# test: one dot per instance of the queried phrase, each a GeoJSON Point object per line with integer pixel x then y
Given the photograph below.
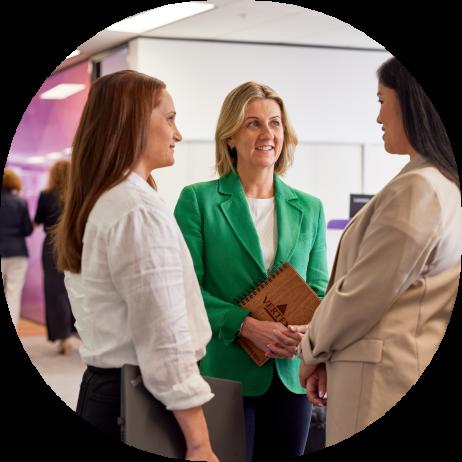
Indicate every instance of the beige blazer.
{"type": "Point", "coordinates": [390, 297]}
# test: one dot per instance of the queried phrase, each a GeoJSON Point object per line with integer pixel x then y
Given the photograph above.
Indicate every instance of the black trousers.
{"type": "Point", "coordinates": [276, 423]}
{"type": "Point", "coordinates": [59, 318]}
{"type": "Point", "coordinates": [99, 399]}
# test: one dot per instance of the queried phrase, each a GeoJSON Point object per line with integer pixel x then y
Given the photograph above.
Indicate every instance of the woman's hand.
{"type": "Point", "coordinates": [288, 339]}
{"type": "Point", "coordinates": [316, 385]}
{"type": "Point", "coordinates": [301, 328]}
{"type": "Point", "coordinates": [264, 335]}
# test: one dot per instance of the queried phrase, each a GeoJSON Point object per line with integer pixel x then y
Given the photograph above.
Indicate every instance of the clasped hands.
{"type": "Point", "coordinates": [276, 340]}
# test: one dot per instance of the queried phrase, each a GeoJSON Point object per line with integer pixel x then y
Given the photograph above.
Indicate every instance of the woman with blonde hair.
{"type": "Point", "coordinates": [129, 274]}
{"type": "Point", "coordinates": [238, 229]}
{"type": "Point", "coordinates": [59, 319]}
{"type": "Point", "coordinates": [15, 226]}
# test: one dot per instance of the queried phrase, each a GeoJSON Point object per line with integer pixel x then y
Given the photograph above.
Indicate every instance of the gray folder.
{"type": "Point", "coordinates": [147, 425]}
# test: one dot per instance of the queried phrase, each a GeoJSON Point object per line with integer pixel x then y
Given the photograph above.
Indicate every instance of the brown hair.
{"type": "Point", "coordinates": [109, 141]}
{"type": "Point", "coordinates": [232, 117]}
{"type": "Point", "coordinates": [11, 181]}
{"type": "Point", "coordinates": [58, 179]}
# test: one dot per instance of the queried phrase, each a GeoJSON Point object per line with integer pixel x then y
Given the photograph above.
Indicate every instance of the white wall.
{"type": "Point", "coordinates": [331, 101]}
{"type": "Point", "coordinates": [379, 167]}
{"type": "Point", "coordinates": [330, 94]}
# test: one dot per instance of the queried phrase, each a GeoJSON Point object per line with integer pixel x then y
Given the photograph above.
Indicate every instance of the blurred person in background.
{"type": "Point", "coordinates": [59, 319]}
{"type": "Point", "coordinates": [15, 226]}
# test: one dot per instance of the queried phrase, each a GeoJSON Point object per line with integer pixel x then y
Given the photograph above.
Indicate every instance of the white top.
{"type": "Point", "coordinates": [263, 213]}
{"type": "Point", "coordinates": [137, 299]}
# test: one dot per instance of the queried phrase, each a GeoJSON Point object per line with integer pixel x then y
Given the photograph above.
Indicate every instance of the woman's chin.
{"type": "Point", "coordinates": [266, 163]}
{"type": "Point", "coordinates": [169, 161]}
{"type": "Point", "coordinates": [165, 163]}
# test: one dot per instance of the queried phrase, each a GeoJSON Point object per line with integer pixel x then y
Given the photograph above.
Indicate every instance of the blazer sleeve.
{"type": "Point", "coordinates": [225, 318]}
{"type": "Point", "coordinates": [394, 250]}
{"type": "Point", "coordinates": [317, 274]}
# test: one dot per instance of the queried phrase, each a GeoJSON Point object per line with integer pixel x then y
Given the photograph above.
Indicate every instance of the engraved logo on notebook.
{"type": "Point", "coordinates": [275, 311]}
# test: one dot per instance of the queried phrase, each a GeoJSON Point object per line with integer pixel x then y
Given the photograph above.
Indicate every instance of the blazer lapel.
{"type": "Point", "coordinates": [237, 214]}
{"type": "Point", "coordinates": [289, 219]}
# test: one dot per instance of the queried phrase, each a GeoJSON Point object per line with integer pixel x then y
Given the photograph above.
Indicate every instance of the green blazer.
{"type": "Point", "coordinates": [217, 226]}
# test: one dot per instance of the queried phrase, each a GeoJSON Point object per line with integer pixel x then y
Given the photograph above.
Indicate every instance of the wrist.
{"type": "Point", "coordinates": [244, 329]}
{"type": "Point", "coordinates": [241, 328]}
{"type": "Point", "coordinates": [299, 351]}
{"type": "Point", "coordinates": [198, 445]}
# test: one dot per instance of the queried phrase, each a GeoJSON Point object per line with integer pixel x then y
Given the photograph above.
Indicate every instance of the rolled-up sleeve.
{"type": "Point", "coordinates": [146, 268]}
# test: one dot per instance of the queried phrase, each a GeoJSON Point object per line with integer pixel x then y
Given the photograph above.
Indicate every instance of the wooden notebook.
{"type": "Point", "coordinates": [283, 297]}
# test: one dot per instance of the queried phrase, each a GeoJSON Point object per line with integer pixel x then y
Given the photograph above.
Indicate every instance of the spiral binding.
{"type": "Point", "coordinates": [248, 295]}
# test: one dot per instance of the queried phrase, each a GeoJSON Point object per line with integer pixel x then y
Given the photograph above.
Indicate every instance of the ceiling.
{"type": "Point", "coordinates": [243, 20]}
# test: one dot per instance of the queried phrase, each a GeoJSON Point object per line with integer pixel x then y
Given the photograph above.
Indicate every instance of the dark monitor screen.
{"type": "Point", "coordinates": [357, 201]}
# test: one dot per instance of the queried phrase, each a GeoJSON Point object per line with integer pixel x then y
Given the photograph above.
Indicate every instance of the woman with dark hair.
{"type": "Point", "coordinates": [421, 122]}
{"type": "Point", "coordinates": [396, 273]}
{"type": "Point", "coordinates": [129, 275]}
{"type": "Point", "coordinates": [59, 319]}
{"type": "Point", "coordinates": [15, 226]}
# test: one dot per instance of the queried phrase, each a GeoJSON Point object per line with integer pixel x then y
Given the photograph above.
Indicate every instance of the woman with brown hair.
{"type": "Point", "coordinates": [15, 226]}
{"type": "Point", "coordinates": [59, 319]}
{"type": "Point", "coordinates": [129, 275]}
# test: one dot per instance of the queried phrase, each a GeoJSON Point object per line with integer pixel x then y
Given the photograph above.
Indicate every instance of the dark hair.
{"type": "Point", "coordinates": [109, 141]}
{"type": "Point", "coordinates": [422, 123]}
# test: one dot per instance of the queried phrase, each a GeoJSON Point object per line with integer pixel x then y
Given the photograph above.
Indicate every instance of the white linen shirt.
{"type": "Point", "coordinates": [137, 299]}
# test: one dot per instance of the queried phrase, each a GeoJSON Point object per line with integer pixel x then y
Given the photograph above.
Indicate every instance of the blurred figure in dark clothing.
{"type": "Point", "coordinates": [15, 225]}
{"type": "Point", "coordinates": [59, 319]}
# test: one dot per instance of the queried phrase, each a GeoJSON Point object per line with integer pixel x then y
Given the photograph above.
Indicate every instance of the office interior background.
{"type": "Point", "coordinates": [323, 68]}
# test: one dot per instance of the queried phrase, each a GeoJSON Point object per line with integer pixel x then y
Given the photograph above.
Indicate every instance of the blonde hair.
{"type": "Point", "coordinates": [231, 119]}
{"type": "Point", "coordinates": [11, 181]}
{"type": "Point", "coordinates": [110, 139]}
{"type": "Point", "coordinates": [59, 178]}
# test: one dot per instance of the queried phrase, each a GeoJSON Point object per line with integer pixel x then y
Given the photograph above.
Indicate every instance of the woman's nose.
{"type": "Point", "coordinates": [266, 132]}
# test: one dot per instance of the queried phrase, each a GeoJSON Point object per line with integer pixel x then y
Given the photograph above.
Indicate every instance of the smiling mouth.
{"type": "Point", "coordinates": [264, 148]}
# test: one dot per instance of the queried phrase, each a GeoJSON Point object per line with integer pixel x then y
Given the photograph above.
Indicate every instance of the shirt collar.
{"type": "Point", "coordinates": [137, 180]}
